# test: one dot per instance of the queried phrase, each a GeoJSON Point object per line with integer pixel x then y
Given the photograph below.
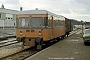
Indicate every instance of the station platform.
{"type": "Point", "coordinates": [54, 52]}
{"type": "Point", "coordinates": [71, 48]}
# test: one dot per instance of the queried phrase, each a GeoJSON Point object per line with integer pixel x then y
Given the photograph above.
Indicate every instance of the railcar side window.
{"type": "Point", "coordinates": [48, 21]}
{"type": "Point", "coordinates": [57, 23]}
{"type": "Point", "coordinates": [36, 22]}
{"type": "Point", "coordinates": [24, 22]}
{"type": "Point", "coordinates": [61, 23]}
{"type": "Point", "coordinates": [45, 21]}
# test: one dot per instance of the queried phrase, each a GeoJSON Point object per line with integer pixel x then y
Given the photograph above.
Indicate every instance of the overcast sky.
{"type": "Point", "coordinates": [73, 9]}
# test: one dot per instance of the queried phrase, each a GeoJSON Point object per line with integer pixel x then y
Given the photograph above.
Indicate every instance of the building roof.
{"type": "Point", "coordinates": [3, 10]}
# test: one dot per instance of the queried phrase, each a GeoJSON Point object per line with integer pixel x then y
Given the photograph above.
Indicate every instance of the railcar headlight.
{"type": "Point", "coordinates": [40, 33]}
{"type": "Point", "coordinates": [20, 33]}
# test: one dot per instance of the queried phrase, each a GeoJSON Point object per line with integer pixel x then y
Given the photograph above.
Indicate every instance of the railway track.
{"type": "Point", "coordinates": [21, 55]}
{"type": "Point", "coordinates": [24, 53]}
{"type": "Point", "coordinates": [8, 42]}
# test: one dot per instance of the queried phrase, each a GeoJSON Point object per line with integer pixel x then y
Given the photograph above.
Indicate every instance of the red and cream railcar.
{"type": "Point", "coordinates": [34, 27]}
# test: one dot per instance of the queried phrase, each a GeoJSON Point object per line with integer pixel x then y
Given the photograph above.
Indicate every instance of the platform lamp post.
{"type": "Point", "coordinates": [14, 25]}
{"type": "Point", "coordinates": [4, 24]}
{"type": "Point", "coordinates": [82, 26]}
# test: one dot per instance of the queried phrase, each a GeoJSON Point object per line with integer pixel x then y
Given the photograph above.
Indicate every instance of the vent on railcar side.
{"type": "Point", "coordinates": [32, 30]}
{"type": "Point", "coordinates": [27, 30]}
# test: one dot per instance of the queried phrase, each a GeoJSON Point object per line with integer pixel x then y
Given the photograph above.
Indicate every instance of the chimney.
{"type": "Point", "coordinates": [36, 8]}
{"type": "Point", "coordinates": [2, 6]}
{"type": "Point", "coordinates": [20, 8]}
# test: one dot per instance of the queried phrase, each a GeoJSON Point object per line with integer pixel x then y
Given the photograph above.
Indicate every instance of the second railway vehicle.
{"type": "Point", "coordinates": [35, 27]}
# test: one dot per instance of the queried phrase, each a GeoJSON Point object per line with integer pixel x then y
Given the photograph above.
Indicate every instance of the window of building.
{"type": "Point", "coordinates": [8, 18]}
{"type": "Point", "coordinates": [11, 18]}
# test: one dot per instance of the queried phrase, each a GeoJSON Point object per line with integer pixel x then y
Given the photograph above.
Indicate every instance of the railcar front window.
{"type": "Point", "coordinates": [24, 22]}
{"type": "Point", "coordinates": [36, 22]}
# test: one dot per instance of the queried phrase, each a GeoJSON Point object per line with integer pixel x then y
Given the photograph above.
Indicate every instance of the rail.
{"type": "Point", "coordinates": [8, 42]}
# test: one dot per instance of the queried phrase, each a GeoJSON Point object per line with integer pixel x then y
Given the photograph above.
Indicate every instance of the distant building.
{"type": "Point", "coordinates": [7, 17]}
{"type": "Point", "coordinates": [7, 14]}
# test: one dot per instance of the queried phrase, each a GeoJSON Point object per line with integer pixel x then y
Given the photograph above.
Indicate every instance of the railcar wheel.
{"type": "Point", "coordinates": [39, 44]}
{"type": "Point", "coordinates": [67, 35]}
{"type": "Point", "coordinates": [48, 43]}
{"type": "Point", "coordinates": [62, 37]}
{"type": "Point", "coordinates": [39, 47]}
{"type": "Point", "coordinates": [22, 44]}
{"type": "Point", "coordinates": [58, 39]}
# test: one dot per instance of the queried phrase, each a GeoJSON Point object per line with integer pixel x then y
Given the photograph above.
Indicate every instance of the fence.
{"type": "Point", "coordinates": [7, 24]}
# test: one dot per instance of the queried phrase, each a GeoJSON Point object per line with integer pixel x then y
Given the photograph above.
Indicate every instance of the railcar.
{"type": "Point", "coordinates": [69, 26]}
{"type": "Point", "coordinates": [36, 27]}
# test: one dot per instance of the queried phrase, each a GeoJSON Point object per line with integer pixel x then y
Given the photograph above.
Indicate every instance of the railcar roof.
{"type": "Point", "coordinates": [34, 12]}
{"type": "Point", "coordinates": [38, 12]}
